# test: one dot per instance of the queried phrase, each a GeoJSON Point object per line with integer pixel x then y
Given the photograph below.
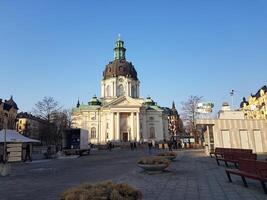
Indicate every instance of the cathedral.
{"type": "Point", "coordinates": [120, 114]}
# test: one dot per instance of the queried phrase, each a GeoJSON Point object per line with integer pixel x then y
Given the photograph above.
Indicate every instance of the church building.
{"type": "Point", "coordinates": [120, 114]}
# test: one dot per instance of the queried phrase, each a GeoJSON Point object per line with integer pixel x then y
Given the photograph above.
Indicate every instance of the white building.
{"type": "Point", "coordinates": [120, 114]}
{"type": "Point", "coordinates": [232, 130]}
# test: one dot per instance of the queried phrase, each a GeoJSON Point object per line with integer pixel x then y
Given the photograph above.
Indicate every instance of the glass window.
{"type": "Point", "coordinates": [93, 133]}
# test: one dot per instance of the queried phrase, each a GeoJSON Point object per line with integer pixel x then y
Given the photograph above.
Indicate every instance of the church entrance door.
{"type": "Point", "coordinates": [125, 137]}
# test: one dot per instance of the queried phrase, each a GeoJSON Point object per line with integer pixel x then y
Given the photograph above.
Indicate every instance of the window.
{"type": "Point", "coordinates": [120, 90]}
{"type": "Point", "coordinates": [134, 91]}
{"type": "Point", "coordinates": [152, 132]}
{"type": "Point", "coordinates": [93, 133]}
{"type": "Point", "coordinates": [151, 118]}
{"type": "Point", "coordinates": [108, 91]}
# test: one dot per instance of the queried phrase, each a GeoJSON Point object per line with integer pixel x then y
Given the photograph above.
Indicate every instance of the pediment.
{"type": "Point", "coordinates": [124, 102]}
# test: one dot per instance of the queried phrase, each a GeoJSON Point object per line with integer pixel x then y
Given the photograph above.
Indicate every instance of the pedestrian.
{"type": "Point", "coordinates": [110, 146]}
{"type": "Point", "coordinates": [149, 147]}
{"type": "Point", "coordinates": [132, 146]}
{"type": "Point", "coordinates": [28, 153]}
{"type": "Point", "coordinates": [170, 145]}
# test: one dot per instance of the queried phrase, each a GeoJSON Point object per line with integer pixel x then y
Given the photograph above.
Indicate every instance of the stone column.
{"type": "Point", "coordinates": [208, 138]}
{"type": "Point", "coordinates": [112, 133]}
{"type": "Point", "coordinates": [138, 90]}
{"type": "Point", "coordinates": [115, 88]}
{"type": "Point", "coordinates": [105, 90]}
{"type": "Point", "coordinates": [132, 126]}
{"type": "Point", "coordinates": [118, 127]}
{"type": "Point", "coordinates": [137, 127]}
{"type": "Point", "coordinates": [130, 91]}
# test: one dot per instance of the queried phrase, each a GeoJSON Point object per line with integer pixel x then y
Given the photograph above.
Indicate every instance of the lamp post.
{"type": "Point", "coordinates": [5, 127]}
{"type": "Point", "coordinates": [5, 167]}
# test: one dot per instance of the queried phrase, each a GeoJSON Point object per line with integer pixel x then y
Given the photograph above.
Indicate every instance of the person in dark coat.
{"type": "Point", "coordinates": [170, 145]}
{"type": "Point", "coordinates": [150, 147]}
{"type": "Point", "coordinates": [134, 145]}
{"type": "Point", "coordinates": [28, 153]}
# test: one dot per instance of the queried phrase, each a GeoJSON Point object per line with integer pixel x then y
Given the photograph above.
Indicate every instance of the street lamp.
{"type": "Point", "coordinates": [5, 127]}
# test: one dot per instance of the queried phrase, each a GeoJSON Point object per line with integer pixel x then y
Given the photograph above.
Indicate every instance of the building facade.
{"type": "Point", "coordinates": [120, 114]}
{"type": "Point", "coordinates": [8, 113]}
{"type": "Point", "coordinates": [28, 125]}
{"type": "Point", "coordinates": [232, 130]}
{"type": "Point", "coordinates": [176, 127]}
{"type": "Point", "coordinates": [255, 107]}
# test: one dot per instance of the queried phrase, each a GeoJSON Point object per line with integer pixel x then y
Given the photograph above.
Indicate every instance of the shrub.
{"type": "Point", "coordinates": [155, 160]}
{"type": "Point", "coordinates": [102, 191]}
{"type": "Point", "coordinates": [167, 154]}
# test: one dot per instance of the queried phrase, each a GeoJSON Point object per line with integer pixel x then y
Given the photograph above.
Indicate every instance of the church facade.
{"type": "Point", "coordinates": [120, 114]}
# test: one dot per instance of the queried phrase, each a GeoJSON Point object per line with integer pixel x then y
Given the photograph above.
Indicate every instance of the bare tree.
{"type": "Point", "coordinates": [189, 114]}
{"type": "Point", "coordinates": [53, 120]}
{"type": "Point", "coordinates": [45, 108]}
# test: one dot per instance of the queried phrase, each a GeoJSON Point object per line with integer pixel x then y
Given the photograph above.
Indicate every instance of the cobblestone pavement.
{"type": "Point", "coordinates": [191, 176]}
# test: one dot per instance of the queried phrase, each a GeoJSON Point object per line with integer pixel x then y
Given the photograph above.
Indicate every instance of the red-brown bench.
{"type": "Point", "coordinates": [219, 151]}
{"type": "Point", "coordinates": [253, 169]}
{"type": "Point", "coordinates": [233, 157]}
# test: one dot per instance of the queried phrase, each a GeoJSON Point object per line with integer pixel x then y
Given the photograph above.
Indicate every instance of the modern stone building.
{"type": "Point", "coordinates": [232, 130]}
{"type": "Point", "coordinates": [8, 113]}
{"type": "Point", "coordinates": [120, 114]}
{"type": "Point", "coordinates": [255, 107]}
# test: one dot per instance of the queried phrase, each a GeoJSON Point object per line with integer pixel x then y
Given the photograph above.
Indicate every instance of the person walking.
{"type": "Point", "coordinates": [170, 145]}
{"type": "Point", "coordinates": [150, 147]}
{"type": "Point", "coordinates": [132, 145]}
{"type": "Point", "coordinates": [28, 153]}
{"type": "Point", "coordinates": [109, 146]}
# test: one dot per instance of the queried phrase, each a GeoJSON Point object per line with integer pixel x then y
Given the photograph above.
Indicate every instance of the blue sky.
{"type": "Point", "coordinates": [59, 48]}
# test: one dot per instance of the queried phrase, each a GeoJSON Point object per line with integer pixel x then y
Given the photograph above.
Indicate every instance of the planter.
{"type": "Point", "coordinates": [154, 163]}
{"type": "Point", "coordinates": [168, 155]}
{"type": "Point", "coordinates": [106, 190]}
{"type": "Point", "coordinates": [154, 167]}
{"type": "Point", "coordinates": [5, 169]}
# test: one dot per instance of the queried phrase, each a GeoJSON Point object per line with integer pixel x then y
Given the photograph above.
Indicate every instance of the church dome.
{"type": "Point", "coordinates": [120, 68]}
{"type": "Point", "coordinates": [94, 102]}
{"type": "Point", "coordinates": [149, 101]}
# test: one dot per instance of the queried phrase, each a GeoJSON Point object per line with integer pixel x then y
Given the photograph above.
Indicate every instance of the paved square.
{"type": "Point", "coordinates": [191, 176]}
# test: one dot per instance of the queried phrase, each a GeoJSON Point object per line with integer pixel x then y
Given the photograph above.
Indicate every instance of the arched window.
{"type": "Point", "coordinates": [152, 132]}
{"type": "Point", "coordinates": [93, 133]}
{"type": "Point", "coordinates": [108, 91]}
{"type": "Point", "coordinates": [120, 90]}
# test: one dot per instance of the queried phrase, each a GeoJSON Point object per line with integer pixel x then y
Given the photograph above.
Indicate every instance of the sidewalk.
{"type": "Point", "coordinates": [192, 176]}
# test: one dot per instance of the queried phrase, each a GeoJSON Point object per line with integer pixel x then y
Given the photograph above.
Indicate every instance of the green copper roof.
{"type": "Point", "coordinates": [94, 102]}
{"type": "Point", "coordinates": [119, 50]}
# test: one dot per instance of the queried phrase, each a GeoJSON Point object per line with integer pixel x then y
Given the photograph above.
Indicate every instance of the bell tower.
{"type": "Point", "coordinates": [119, 50]}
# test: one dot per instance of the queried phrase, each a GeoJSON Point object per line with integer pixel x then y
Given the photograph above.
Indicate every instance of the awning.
{"type": "Point", "coordinates": [14, 136]}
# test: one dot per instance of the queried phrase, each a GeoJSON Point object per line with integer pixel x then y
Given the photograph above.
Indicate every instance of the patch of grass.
{"type": "Point", "coordinates": [102, 191]}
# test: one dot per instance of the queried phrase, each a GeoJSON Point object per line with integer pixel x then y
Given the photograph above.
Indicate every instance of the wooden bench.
{"type": "Point", "coordinates": [253, 169]}
{"type": "Point", "coordinates": [233, 157]}
{"type": "Point", "coordinates": [219, 151]}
